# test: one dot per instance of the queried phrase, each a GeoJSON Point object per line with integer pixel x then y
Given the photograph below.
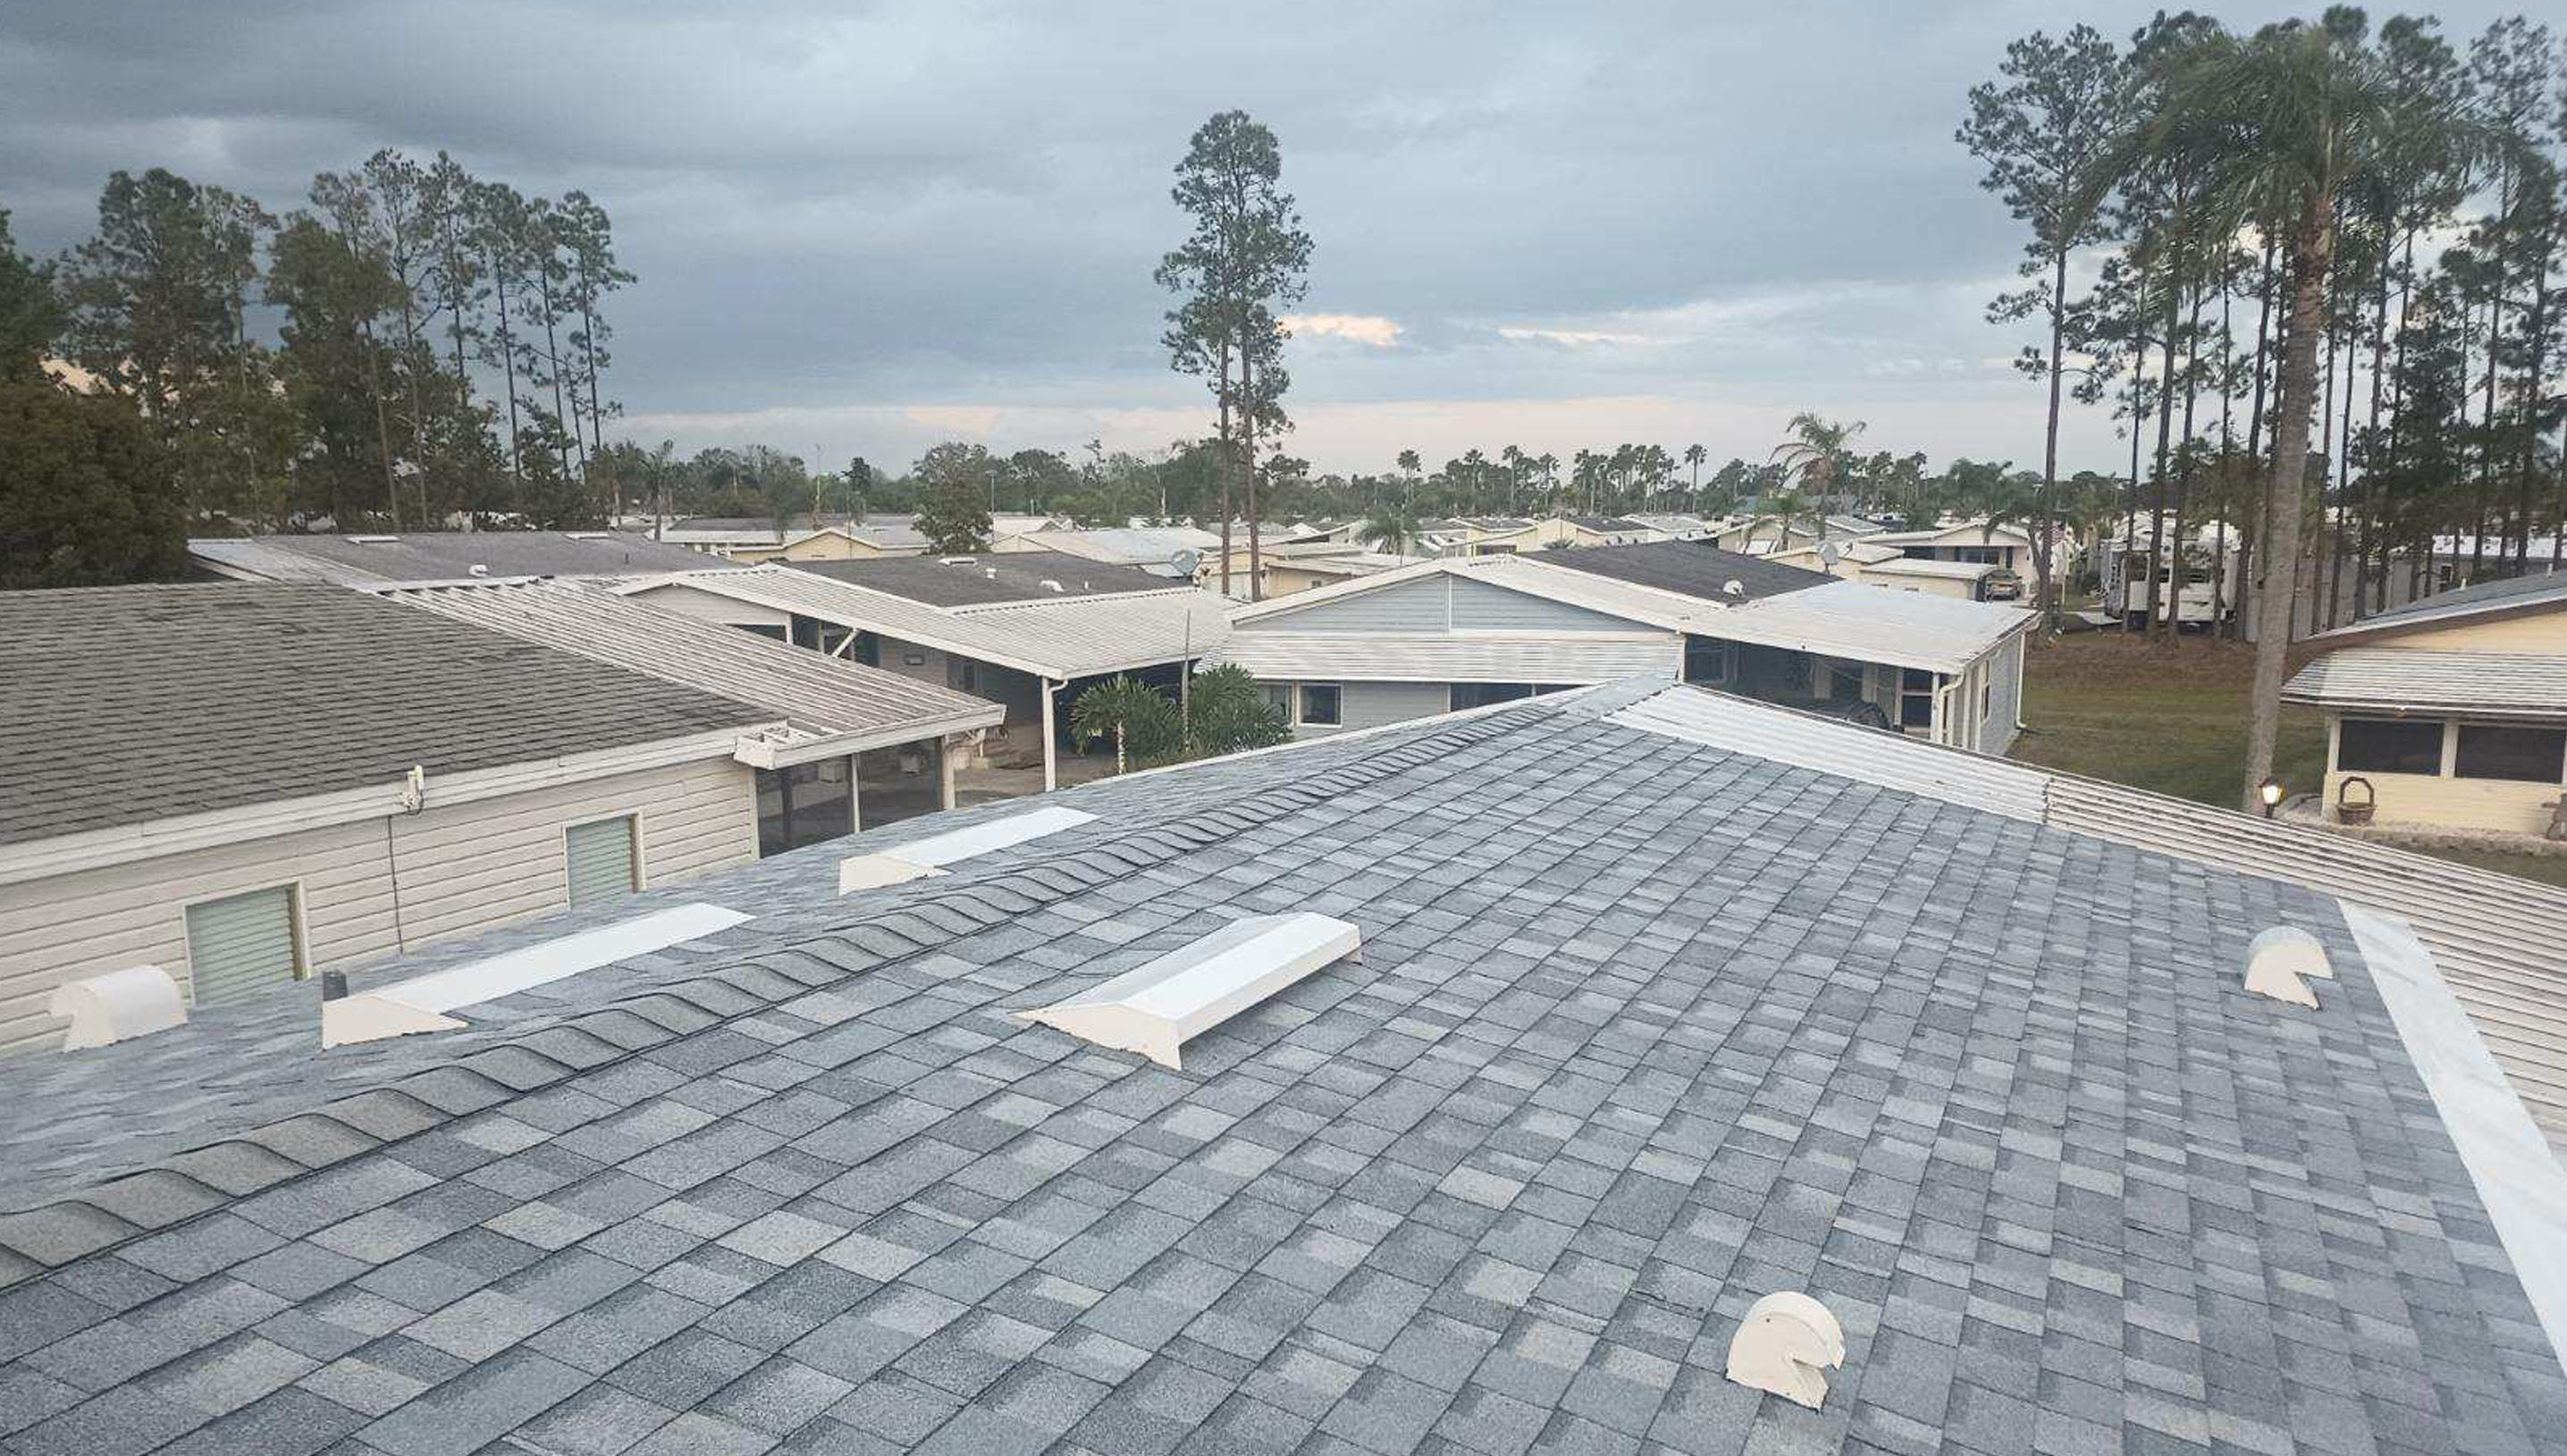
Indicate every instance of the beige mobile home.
{"type": "Point", "coordinates": [245, 786]}
{"type": "Point", "coordinates": [2449, 712]}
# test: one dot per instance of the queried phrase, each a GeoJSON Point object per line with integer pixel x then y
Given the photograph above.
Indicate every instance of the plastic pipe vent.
{"type": "Point", "coordinates": [2278, 961]}
{"type": "Point", "coordinates": [1785, 1346]}
{"type": "Point", "coordinates": [118, 1005]}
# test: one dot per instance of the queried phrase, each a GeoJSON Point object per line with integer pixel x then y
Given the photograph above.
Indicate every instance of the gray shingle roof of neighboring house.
{"type": "Point", "coordinates": [1695, 568]}
{"type": "Point", "coordinates": [438, 557]}
{"type": "Point", "coordinates": [828, 707]}
{"type": "Point", "coordinates": [130, 705]}
{"type": "Point", "coordinates": [2538, 591]}
{"type": "Point", "coordinates": [1007, 576]}
{"type": "Point", "coordinates": [2422, 680]}
{"type": "Point", "coordinates": [1643, 1028]}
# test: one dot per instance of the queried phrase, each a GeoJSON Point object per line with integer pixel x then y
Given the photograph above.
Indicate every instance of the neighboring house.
{"type": "Point", "coordinates": [1154, 549]}
{"type": "Point", "coordinates": [1972, 541]}
{"type": "Point", "coordinates": [245, 784]}
{"type": "Point", "coordinates": [1509, 538]}
{"type": "Point", "coordinates": [365, 560]}
{"type": "Point", "coordinates": [1677, 525]}
{"type": "Point", "coordinates": [1298, 565]}
{"type": "Point", "coordinates": [2450, 711]}
{"type": "Point", "coordinates": [1666, 1004]}
{"type": "Point", "coordinates": [1967, 581]}
{"type": "Point", "coordinates": [1459, 633]}
{"type": "Point", "coordinates": [1022, 629]}
{"type": "Point", "coordinates": [806, 537]}
{"type": "Point", "coordinates": [1845, 559]}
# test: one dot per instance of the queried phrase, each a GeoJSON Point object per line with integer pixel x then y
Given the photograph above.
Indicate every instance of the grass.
{"type": "Point", "coordinates": [2172, 719]}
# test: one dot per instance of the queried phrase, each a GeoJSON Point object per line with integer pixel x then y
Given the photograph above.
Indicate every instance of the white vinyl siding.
{"type": "Point", "coordinates": [462, 868]}
{"type": "Point", "coordinates": [241, 945]}
{"type": "Point", "coordinates": [598, 859]}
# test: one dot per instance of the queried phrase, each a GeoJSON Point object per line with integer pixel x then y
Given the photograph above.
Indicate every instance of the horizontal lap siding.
{"type": "Point", "coordinates": [1376, 705]}
{"type": "Point", "coordinates": [462, 868]}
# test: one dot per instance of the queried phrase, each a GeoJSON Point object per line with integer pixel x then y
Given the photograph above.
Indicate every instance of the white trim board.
{"type": "Point", "coordinates": [2518, 1178]}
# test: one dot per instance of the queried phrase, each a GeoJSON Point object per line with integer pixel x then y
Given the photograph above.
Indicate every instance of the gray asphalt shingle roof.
{"type": "Point", "coordinates": [1643, 1030]}
{"type": "Point", "coordinates": [127, 704]}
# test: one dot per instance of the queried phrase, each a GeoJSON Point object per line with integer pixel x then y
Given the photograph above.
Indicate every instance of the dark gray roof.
{"type": "Point", "coordinates": [1643, 1030]}
{"type": "Point", "coordinates": [2539, 589]}
{"type": "Point", "coordinates": [132, 703]}
{"type": "Point", "coordinates": [1694, 568]}
{"type": "Point", "coordinates": [1020, 577]}
{"type": "Point", "coordinates": [411, 557]}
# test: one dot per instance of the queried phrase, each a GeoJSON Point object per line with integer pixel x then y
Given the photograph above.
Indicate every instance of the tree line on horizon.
{"type": "Point", "coordinates": [440, 350]}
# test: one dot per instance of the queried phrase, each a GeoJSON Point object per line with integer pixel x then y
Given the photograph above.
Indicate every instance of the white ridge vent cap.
{"type": "Point", "coordinates": [1786, 1345]}
{"type": "Point", "coordinates": [420, 1003]}
{"type": "Point", "coordinates": [117, 1006]}
{"type": "Point", "coordinates": [930, 855]}
{"type": "Point", "coordinates": [2278, 958]}
{"type": "Point", "coordinates": [1156, 1008]}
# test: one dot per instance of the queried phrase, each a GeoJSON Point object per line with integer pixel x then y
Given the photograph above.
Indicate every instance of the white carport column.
{"type": "Point", "coordinates": [1052, 767]}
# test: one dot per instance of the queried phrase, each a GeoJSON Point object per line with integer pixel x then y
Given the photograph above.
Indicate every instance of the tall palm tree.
{"type": "Point", "coordinates": [1812, 451]}
{"type": "Point", "coordinates": [1389, 527]}
{"type": "Point", "coordinates": [1694, 455]}
{"type": "Point", "coordinates": [1784, 509]}
{"type": "Point", "coordinates": [2271, 129]}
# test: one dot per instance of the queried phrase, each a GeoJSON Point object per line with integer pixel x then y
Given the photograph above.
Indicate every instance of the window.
{"type": "Point", "coordinates": [1915, 697]}
{"type": "Point", "coordinates": [599, 859]}
{"type": "Point", "coordinates": [898, 782]}
{"type": "Point", "coordinates": [2526, 754]}
{"type": "Point", "coordinates": [2387, 745]}
{"type": "Point", "coordinates": [804, 804]}
{"type": "Point", "coordinates": [241, 945]}
{"type": "Point", "coordinates": [1844, 684]}
{"type": "Point", "coordinates": [1706, 660]}
{"type": "Point", "coordinates": [772, 631]}
{"type": "Point", "coordinates": [1481, 695]}
{"type": "Point", "coordinates": [962, 674]}
{"type": "Point", "coordinates": [1319, 704]}
{"type": "Point", "coordinates": [1278, 695]}
{"type": "Point", "coordinates": [1987, 698]}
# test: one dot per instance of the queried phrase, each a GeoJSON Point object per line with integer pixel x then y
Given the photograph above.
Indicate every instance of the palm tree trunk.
{"type": "Point", "coordinates": [2312, 254]}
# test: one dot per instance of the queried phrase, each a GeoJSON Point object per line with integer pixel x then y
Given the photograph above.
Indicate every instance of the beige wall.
{"type": "Point", "coordinates": [464, 868]}
{"type": "Point", "coordinates": [2445, 801]}
{"type": "Point", "coordinates": [2543, 632]}
{"type": "Point", "coordinates": [1956, 588]}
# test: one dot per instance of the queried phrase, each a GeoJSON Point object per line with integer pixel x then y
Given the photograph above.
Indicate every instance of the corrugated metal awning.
{"type": "Point", "coordinates": [2418, 680]}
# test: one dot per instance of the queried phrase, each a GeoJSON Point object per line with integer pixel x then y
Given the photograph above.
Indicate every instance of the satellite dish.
{"type": "Point", "coordinates": [1733, 587]}
{"type": "Point", "coordinates": [1829, 555]}
{"type": "Point", "coordinates": [1185, 561]}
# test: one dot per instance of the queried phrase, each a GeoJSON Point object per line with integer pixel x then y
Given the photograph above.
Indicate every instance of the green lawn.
{"type": "Point", "coordinates": [2174, 719]}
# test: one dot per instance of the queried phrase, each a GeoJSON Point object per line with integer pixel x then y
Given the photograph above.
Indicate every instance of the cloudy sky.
{"type": "Point", "coordinates": [861, 228]}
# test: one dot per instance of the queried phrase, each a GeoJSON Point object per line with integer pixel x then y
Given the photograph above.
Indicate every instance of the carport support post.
{"type": "Point", "coordinates": [1051, 769]}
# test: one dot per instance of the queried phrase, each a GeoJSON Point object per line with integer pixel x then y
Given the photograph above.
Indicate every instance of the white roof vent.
{"type": "Point", "coordinates": [953, 560]}
{"type": "Point", "coordinates": [2277, 959]}
{"type": "Point", "coordinates": [1156, 1008]}
{"type": "Point", "coordinates": [420, 1003]}
{"type": "Point", "coordinates": [1785, 1346]}
{"type": "Point", "coordinates": [1051, 585]}
{"type": "Point", "coordinates": [134, 1002]}
{"type": "Point", "coordinates": [929, 856]}
{"type": "Point", "coordinates": [1733, 588]}
{"type": "Point", "coordinates": [372, 540]}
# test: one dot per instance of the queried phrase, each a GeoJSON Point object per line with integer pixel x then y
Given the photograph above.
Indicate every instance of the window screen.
{"type": "Point", "coordinates": [1706, 660]}
{"type": "Point", "coordinates": [1915, 697]}
{"type": "Point", "coordinates": [240, 945]}
{"type": "Point", "coordinates": [1482, 695]}
{"type": "Point", "coordinates": [1320, 704]}
{"type": "Point", "coordinates": [2388, 746]}
{"type": "Point", "coordinates": [2528, 755]}
{"type": "Point", "coordinates": [601, 859]}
